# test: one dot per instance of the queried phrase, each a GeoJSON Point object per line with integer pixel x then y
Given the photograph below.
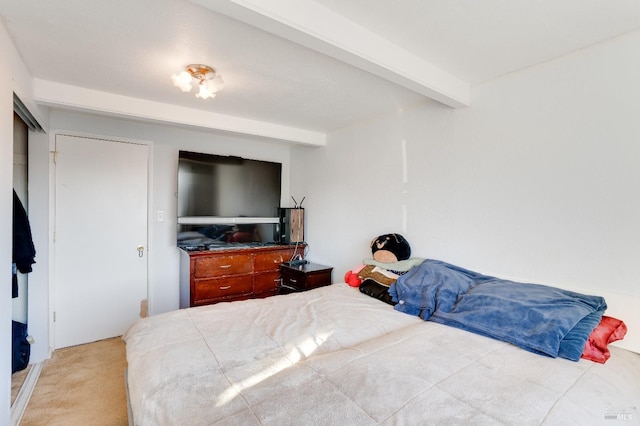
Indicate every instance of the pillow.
{"type": "Point", "coordinates": [376, 290]}
{"type": "Point", "coordinates": [399, 266]}
{"type": "Point", "coordinates": [609, 330]}
{"type": "Point", "coordinates": [378, 274]}
{"type": "Point", "coordinates": [390, 248]}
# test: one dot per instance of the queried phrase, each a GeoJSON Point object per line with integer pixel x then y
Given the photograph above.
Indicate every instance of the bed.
{"type": "Point", "coordinates": [336, 356]}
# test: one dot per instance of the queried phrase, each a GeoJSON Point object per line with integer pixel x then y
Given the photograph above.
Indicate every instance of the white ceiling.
{"type": "Point", "coordinates": [373, 61]}
{"type": "Point", "coordinates": [480, 40]}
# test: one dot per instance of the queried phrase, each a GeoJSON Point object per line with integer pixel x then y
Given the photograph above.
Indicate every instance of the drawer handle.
{"type": "Point", "coordinates": [292, 280]}
{"type": "Point", "coordinates": [225, 266]}
{"type": "Point", "coordinates": [225, 287]}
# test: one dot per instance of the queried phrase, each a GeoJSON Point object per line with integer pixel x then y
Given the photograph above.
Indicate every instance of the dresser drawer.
{"type": "Point", "coordinates": [217, 266]}
{"type": "Point", "coordinates": [271, 261]}
{"type": "Point", "coordinates": [222, 288]}
{"type": "Point", "coordinates": [266, 282]}
{"type": "Point", "coordinates": [317, 280]}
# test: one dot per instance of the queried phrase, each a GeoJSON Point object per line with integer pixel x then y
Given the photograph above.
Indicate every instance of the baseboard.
{"type": "Point", "coordinates": [24, 394]}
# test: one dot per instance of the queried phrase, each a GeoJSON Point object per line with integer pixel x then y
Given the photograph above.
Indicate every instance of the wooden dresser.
{"type": "Point", "coordinates": [211, 276]}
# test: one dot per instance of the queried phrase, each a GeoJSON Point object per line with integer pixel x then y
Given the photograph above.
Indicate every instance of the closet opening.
{"type": "Point", "coordinates": [23, 124]}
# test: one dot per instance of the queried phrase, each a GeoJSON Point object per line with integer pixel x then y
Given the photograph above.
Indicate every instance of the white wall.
{"type": "Point", "coordinates": [39, 219]}
{"type": "Point", "coordinates": [537, 181]}
{"type": "Point", "coordinates": [165, 144]}
{"type": "Point", "coordinates": [6, 206]}
{"type": "Point", "coordinates": [14, 77]}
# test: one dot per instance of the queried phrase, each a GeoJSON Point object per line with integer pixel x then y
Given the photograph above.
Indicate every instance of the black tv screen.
{"type": "Point", "coordinates": [222, 196]}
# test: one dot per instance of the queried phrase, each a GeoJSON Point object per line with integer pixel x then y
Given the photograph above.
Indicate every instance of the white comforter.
{"type": "Point", "coordinates": [334, 356]}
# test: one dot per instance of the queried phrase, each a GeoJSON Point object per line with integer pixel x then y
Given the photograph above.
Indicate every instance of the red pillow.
{"type": "Point", "coordinates": [609, 330]}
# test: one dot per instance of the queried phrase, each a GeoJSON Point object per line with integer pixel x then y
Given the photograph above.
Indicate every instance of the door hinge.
{"type": "Point", "coordinates": [55, 156]}
{"type": "Point", "coordinates": [54, 316]}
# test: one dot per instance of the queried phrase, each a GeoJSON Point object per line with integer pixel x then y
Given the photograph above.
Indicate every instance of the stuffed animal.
{"type": "Point", "coordinates": [390, 248]}
{"type": "Point", "coordinates": [352, 278]}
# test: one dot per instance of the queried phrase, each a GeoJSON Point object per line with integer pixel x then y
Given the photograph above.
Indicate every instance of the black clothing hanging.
{"type": "Point", "coordinates": [24, 252]}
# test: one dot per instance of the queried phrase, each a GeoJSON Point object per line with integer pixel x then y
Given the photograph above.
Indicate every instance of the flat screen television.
{"type": "Point", "coordinates": [225, 200]}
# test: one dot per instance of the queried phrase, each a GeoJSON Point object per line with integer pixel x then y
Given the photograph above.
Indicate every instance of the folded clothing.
{"type": "Point", "coordinates": [398, 267]}
{"type": "Point", "coordinates": [376, 290]}
{"type": "Point", "coordinates": [378, 274]}
{"type": "Point", "coordinates": [608, 331]}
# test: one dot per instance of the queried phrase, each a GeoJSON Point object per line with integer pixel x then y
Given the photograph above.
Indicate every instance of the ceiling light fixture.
{"type": "Point", "coordinates": [209, 80]}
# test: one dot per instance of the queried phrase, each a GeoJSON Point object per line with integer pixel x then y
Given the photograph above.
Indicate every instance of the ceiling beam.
{"type": "Point", "coordinates": [72, 97]}
{"type": "Point", "coordinates": [312, 25]}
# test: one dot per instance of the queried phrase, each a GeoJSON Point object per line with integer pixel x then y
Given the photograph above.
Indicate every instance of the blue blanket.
{"type": "Point", "coordinates": [538, 318]}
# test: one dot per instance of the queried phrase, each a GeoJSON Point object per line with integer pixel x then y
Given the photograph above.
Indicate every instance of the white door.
{"type": "Point", "coordinates": [100, 240]}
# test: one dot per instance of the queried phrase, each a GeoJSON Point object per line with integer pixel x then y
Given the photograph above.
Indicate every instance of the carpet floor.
{"type": "Point", "coordinates": [81, 385]}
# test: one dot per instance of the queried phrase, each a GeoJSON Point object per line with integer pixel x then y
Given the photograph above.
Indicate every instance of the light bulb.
{"type": "Point", "coordinates": [182, 80]}
{"type": "Point", "coordinates": [204, 92]}
{"type": "Point", "coordinates": [205, 76]}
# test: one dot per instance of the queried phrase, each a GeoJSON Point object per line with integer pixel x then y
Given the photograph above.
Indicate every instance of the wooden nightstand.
{"type": "Point", "coordinates": [303, 277]}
